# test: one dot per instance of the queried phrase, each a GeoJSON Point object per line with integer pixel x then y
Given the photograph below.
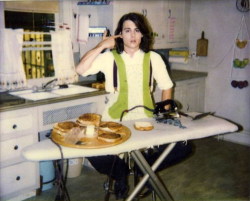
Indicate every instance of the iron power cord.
{"type": "Point", "coordinates": [62, 192]}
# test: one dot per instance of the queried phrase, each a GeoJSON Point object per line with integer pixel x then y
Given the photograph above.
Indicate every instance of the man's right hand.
{"type": "Point", "coordinates": [108, 42]}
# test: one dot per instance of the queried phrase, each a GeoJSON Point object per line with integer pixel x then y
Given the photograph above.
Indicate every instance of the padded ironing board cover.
{"type": "Point", "coordinates": [161, 134]}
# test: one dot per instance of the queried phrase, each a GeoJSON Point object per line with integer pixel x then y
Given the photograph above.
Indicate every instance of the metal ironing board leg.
{"type": "Point", "coordinates": [150, 174]}
{"type": "Point", "coordinates": [154, 182]}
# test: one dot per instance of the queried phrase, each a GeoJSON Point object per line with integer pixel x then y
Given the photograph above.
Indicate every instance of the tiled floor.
{"type": "Point", "coordinates": [218, 171]}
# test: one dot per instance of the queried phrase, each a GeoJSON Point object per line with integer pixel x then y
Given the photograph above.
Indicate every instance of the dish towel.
{"type": "Point", "coordinates": [12, 75]}
{"type": "Point", "coordinates": [82, 29]}
{"type": "Point", "coordinates": [63, 57]}
{"type": "Point", "coordinates": [176, 59]}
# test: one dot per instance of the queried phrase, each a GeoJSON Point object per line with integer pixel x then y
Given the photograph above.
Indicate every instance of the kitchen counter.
{"type": "Point", "coordinates": [9, 102]}
{"type": "Point", "coordinates": [180, 75]}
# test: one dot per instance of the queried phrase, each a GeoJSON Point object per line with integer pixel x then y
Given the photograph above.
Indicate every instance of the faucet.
{"type": "Point", "coordinates": [47, 86]}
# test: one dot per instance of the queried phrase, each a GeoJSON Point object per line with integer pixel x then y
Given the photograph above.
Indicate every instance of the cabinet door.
{"type": "Point", "coordinates": [169, 19]}
{"type": "Point", "coordinates": [178, 23]}
{"type": "Point", "coordinates": [154, 11]}
{"type": "Point", "coordinates": [195, 96]}
{"type": "Point", "coordinates": [123, 7]}
{"type": "Point", "coordinates": [190, 94]}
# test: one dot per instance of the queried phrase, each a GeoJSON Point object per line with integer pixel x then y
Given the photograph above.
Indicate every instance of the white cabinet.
{"type": "Point", "coordinates": [18, 129]}
{"type": "Point", "coordinates": [177, 23]}
{"type": "Point", "coordinates": [189, 93]}
{"type": "Point", "coordinates": [154, 11]}
{"type": "Point", "coordinates": [16, 124]}
{"type": "Point", "coordinates": [11, 149]}
{"type": "Point", "coordinates": [99, 15]}
{"type": "Point", "coordinates": [18, 179]}
{"type": "Point", "coordinates": [169, 19]}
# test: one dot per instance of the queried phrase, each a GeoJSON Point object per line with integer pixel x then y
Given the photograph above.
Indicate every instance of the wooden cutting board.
{"type": "Point", "coordinates": [202, 45]}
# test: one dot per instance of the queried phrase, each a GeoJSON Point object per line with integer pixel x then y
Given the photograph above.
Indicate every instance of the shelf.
{"type": "Point", "coordinates": [93, 3]}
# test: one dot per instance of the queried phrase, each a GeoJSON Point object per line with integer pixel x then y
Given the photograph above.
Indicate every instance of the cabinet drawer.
{"type": "Point", "coordinates": [17, 178]}
{"type": "Point", "coordinates": [14, 124]}
{"type": "Point", "coordinates": [10, 150]}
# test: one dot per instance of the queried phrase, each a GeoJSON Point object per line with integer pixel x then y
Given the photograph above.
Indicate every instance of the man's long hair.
{"type": "Point", "coordinates": [144, 27]}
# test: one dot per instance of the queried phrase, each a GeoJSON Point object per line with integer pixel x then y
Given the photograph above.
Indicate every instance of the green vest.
{"type": "Point", "coordinates": [121, 104]}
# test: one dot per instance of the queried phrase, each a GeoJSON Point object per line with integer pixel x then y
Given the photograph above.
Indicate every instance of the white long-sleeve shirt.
{"type": "Point", "coordinates": [134, 70]}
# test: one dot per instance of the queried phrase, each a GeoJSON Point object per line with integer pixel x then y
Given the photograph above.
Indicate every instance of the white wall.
{"type": "Point", "coordinates": [1, 16]}
{"type": "Point", "coordinates": [221, 22]}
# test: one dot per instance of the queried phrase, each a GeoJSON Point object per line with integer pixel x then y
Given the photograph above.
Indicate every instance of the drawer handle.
{"type": "Point", "coordinates": [14, 126]}
{"type": "Point", "coordinates": [18, 178]}
{"type": "Point", "coordinates": [16, 147]}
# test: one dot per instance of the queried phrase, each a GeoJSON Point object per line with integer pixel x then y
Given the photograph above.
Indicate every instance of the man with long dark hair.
{"type": "Point", "coordinates": [130, 70]}
{"type": "Point", "coordinates": [131, 53]}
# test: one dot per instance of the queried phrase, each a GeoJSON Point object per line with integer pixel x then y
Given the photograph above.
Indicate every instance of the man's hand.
{"type": "Point", "coordinates": [108, 42]}
{"type": "Point", "coordinates": [89, 57]}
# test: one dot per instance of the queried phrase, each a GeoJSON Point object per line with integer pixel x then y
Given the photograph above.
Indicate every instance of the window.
{"type": "Point", "coordinates": [37, 54]}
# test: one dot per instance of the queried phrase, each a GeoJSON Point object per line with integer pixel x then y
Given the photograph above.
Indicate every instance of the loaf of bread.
{"type": "Point", "coordinates": [89, 119]}
{"type": "Point", "coordinates": [143, 126]}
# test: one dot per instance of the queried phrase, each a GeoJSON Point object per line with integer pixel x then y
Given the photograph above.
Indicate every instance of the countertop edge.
{"type": "Point", "coordinates": [181, 75]}
{"type": "Point", "coordinates": [176, 75]}
{"type": "Point", "coordinates": [28, 103]}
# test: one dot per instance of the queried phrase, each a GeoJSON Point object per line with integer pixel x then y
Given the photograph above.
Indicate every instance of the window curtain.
{"type": "Point", "coordinates": [63, 58]}
{"type": "Point", "coordinates": [12, 75]}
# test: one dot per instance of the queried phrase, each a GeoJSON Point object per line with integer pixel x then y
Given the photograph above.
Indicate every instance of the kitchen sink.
{"type": "Point", "coordinates": [72, 89]}
{"type": "Point", "coordinates": [56, 92]}
{"type": "Point", "coordinates": [35, 96]}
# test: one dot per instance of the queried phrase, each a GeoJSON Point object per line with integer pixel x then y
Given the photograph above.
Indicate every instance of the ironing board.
{"type": "Point", "coordinates": [161, 134]}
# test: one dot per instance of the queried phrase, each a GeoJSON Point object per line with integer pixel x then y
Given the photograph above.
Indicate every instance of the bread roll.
{"type": "Point", "coordinates": [110, 126]}
{"type": "Point", "coordinates": [108, 136]}
{"type": "Point", "coordinates": [63, 128]}
{"type": "Point", "coordinates": [89, 119]}
{"type": "Point", "coordinates": [98, 85]}
{"type": "Point", "coordinates": [143, 126]}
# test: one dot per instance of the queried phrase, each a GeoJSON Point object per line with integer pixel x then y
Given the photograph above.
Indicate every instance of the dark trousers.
{"type": "Point", "coordinates": [117, 169]}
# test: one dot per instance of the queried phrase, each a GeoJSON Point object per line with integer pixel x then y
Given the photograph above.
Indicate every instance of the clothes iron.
{"type": "Point", "coordinates": [159, 110]}
{"type": "Point", "coordinates": [169, 116]}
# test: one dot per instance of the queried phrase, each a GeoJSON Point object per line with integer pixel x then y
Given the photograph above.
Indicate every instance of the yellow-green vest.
{"type": "Point", "coordinates": [121, 104]}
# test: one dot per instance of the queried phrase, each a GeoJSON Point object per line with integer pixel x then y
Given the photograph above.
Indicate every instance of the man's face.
{"type": "Point", "coordinates": [131, 36]}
